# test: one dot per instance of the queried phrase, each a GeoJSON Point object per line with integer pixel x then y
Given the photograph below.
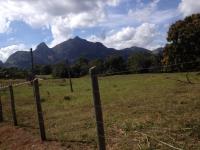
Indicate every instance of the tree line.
{"type": "Point", "coordinates": [111, 65]}
{"type": "Point", "coordinates": [13, 73]}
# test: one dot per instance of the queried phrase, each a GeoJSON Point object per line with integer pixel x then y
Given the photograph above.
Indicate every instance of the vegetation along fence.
{"type": "Point", "coordinates": [137, 111]}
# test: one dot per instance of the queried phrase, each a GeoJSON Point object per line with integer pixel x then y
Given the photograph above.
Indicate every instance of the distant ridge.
{"type": "Point", "coordinates": [70, 50]}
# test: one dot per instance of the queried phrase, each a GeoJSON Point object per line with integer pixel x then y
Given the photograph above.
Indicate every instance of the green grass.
{"type": "Point", "coordinates": [138, 111]}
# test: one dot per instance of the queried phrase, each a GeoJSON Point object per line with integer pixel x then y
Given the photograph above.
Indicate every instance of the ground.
{"type": "Point", "coordinates": [143, 111]}
{"type": "Point", "coordinates": [13, 138]}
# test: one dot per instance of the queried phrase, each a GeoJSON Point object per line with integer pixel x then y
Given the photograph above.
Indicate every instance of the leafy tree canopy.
{"type": "Point", "coordinates": [183, 44]}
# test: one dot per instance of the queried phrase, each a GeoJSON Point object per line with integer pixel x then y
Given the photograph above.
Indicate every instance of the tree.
{"type": "Point", "coordinates": [141, 62]}
{"type": "Point", "coordinates": [115, 64]}
{"type": "Point", "coordinates": [60, 70]}
{"type": "Point", "coordinates": [37, 69]}
{"type": "Point", "coordinates": [46, 70]}
{"type": "Point", "coordinates": [99, 63]}
{"type": "Point", "coordinates": [14, 73]}
{"type": "Point", "coordinates": [84, 67]}
{"type": "Point", "coordinates": [80, 67]}
{"type": "Point", "coordinates": [183, 44]}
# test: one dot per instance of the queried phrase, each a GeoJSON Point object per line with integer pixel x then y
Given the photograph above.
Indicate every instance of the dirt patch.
{"type": "Point", "coordinates": [18, 139]}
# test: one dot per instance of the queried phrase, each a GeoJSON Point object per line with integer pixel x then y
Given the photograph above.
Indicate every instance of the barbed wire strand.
{"type": "Point", "coordinates": [149, 68]}
{"type": "Point", "coordinates": [18, 84]}
{"type": "Point", "coordinates": [139, 69]}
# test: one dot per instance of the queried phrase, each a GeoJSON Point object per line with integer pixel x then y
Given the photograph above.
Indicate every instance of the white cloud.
{"type": "Point", "coordinates": [188, 7]}
{"type": "Point", "coordinates": [5, 52]}
{"type": "Point", "coordinates": [113, 2]}
{"type": "Point", "coordinates": [4, 25]}
{"type": "Point", "coordinates": [144, 35]}
{"type": "Point", "coordinates": [60, 31]}
{"type": "Point", "coordinates": [151, 13]}
{"type": "Point", "coordinates": [61, 17]}
{"type": "Point", "coordinates": [141, 13]}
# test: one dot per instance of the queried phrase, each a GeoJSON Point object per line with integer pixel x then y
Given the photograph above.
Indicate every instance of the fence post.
{"type": "Point", "coordinates": [39, 109]}
{"type": "Point", "coordinates": [70, 80]}
{"type": "Point", "coordinates": [98, 110]}
{"type": "Point", "coordinates": [1, 111]}
{"type": "Point", "coordinates": [32, 76]}
{"type": "Point", "coordinates": [12, 100]}
{"type": "Point", "coordinates": [32, 63]}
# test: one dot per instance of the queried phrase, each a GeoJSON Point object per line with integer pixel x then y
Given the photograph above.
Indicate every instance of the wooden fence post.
{"type": "Point", "coordinates": [32, 76]}
{"type": "Point", "coordinates": [98, 110]}
{"type": "Point", "coordinates": [12, 100]}
{"type": "Point", "coordinates": [1, 111]}
{"type": "Point", "coordinates": [39, 109]}
{"type": "Point", "coordinates": [70, 80]}
{"type": "Point", "coordinates": [32, 63]}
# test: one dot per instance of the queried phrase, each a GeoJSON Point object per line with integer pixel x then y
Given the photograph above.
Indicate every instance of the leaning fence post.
{"type": "Point", "coordinates": [98, 110]}
{"type": "Point", "coordinates": [1, 111]}
{"type": "Point", "coordinates": [12, 100]}
{"type": "Point", "coordinates": [39, 109]}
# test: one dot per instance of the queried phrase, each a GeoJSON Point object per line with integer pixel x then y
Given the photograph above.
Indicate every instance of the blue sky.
{"type": "Point", "coordinates": [115, 23]}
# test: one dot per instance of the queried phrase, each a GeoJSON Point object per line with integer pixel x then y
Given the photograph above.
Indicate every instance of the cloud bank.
{"type": "Point", "coordinates": [7, 51]}
{"type": "Point", "coordinates": [60, 17]}
{"type": "Point", "coordinates": [188, 7]}
{"type": "Point", "coordinates": [141, 36]}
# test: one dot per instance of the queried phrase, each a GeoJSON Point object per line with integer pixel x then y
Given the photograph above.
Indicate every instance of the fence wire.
{"type": "Point", "coordinates": [152, 69]}
{"type": "Point", "coordinates": [140, 111]}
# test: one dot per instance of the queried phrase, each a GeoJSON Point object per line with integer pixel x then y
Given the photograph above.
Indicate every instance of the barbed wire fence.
{"type": "Point", "coordinates": [174, 145]}
{"type": "Point", "coordinates": [7, 90]}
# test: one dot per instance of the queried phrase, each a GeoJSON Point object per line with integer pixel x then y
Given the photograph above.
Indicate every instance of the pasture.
{"type": "Point", "coordinates": [141, 111]}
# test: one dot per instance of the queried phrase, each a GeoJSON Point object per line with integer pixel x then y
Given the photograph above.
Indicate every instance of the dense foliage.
{"type": "Point", "coordinates": [143, 62]}
{"type": "Point", "coordinates": [183, 44]}
{"type": "Point", "coordinates": [12, 73]}
{"type": "Point", "coordinates": [111, 65]}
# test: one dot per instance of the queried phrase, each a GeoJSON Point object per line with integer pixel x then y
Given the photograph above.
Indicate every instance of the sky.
{"type": "Point", "coordinates": [116, 23]}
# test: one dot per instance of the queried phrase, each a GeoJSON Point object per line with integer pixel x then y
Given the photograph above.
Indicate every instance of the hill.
{"type": "Point", "coordinates": [1, 63]}
{"type": "Point", "coordinates": [158, 51]}
{"type": "Point", "coordinates": [70, 50]}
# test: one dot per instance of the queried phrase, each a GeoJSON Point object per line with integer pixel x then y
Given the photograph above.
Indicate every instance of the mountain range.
{"type": "Point", "coordinates": [70, 50]}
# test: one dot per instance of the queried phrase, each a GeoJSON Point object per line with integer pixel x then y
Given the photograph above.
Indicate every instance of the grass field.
{"type": "Point", "coordinates": [143, 111]}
